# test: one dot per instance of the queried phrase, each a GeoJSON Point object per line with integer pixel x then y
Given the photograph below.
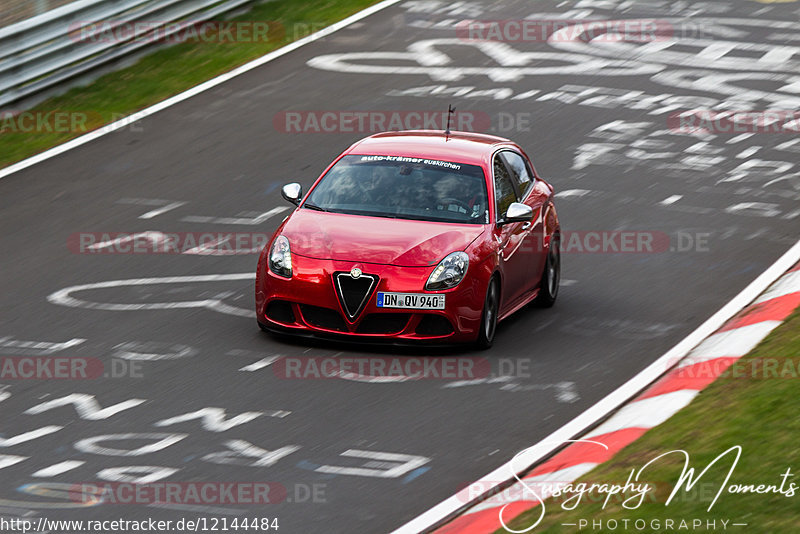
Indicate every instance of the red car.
{"type": "Point", "coordinates": [413, 235]}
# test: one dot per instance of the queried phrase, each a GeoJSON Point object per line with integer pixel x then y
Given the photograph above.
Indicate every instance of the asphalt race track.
{"type": "Point", "coordinates": [595, 119]}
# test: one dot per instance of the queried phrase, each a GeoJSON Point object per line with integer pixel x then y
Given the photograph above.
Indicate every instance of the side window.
{"type": "Point", "coordinates": [519, 171]}
{"type": "Point", "coordinates": [504, 193]}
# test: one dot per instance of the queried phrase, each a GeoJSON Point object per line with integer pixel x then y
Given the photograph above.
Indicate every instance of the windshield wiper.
{"type": "Point", "coordinates": [314, 207]}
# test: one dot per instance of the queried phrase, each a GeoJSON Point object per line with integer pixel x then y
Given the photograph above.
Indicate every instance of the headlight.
{"type": "Point", "coordinates": [280, 257]}
{"type": "Point", "coordinates": [449, 272]}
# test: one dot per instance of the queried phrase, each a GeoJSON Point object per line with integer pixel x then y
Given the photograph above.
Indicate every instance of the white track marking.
{"type": "Point", "coordinates": [671, 200]}
{"type": "Point", "coordinates": [213, 419]}
{"type": "Point", "coordinates": [792, 215]}
{"type": "Point", "coordinates": [786, 286]}
{"type": "Point", "coordinates": [510, 64]}
{"type": "Point", "coordinates": [477, 381]}
{"type": "Point", "coordinates": [205, 86]}
{"type": "Point", "coordinates": [646, 413]}
{"type": "Point", "coordinates": [612, 401]}
{"type": "Point", "coordinates": [29, 436]}
{"type": "Point", "coordinates": [86, 406]}
{"type": "Point", "coordinates": [143, 201]}
{"type": "Point", "coordinates": [260, 364]}
{"type": "Point", "coordinates": [158, 211]}
{"type": "Point", "coordinates": [7, 460]}
{"type": "Point", "coordinates": [63, 297]}
{"type": "Point", "coordinates": [160, 442]}
{"type": "Point", "coordinates": [240, 449]}
{"type": "Point", "coordinates": [573, 193]}
{"type": "Point", "coordinates": [138, 474]}
{"type": "Point", "coordinates": [251, 221]}
{"type": "Point", "coordinates": [39, 348]}
{"type": "Point", "coordinates": [57, 469]}
{"type": "Point", "coordinates": [747, 152]}
{"type": "Point", "coordinates": [740, 137]}
{"type": "Point", "coordinates": [397, 464]}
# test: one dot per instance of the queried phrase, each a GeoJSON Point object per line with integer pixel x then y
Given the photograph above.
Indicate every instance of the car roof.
{"type": "Point", "coordinates": [459, 147]}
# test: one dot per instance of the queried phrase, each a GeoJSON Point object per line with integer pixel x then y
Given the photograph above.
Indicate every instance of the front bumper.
{"type": "Point", "coordinates": [307, 304]}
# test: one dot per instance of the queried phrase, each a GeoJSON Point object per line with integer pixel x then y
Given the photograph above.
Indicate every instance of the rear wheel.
{"type": "Point", "coordinates": [548, 287]}
{"type": "Point", "coordinates": [489, 317]}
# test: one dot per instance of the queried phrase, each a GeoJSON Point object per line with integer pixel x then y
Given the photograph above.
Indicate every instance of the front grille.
{"type": "Point", "coordinates": [325, 318]}
{"type": "Point", "coordinates": [383, 323]}
{"type": "Point", "coordinates": [280, 311]}
{"type": "Point", "coordinates": [434, 325]}
{"type": "Point", "coordinates": [354, 293]}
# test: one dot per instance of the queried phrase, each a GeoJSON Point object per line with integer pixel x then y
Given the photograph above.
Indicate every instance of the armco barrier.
{"type": "Point", "coordinates": [43, 51]}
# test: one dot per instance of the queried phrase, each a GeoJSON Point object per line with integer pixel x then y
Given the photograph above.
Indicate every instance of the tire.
{"type": "Point", "coordinates": [548, 287]}
{"type": "Point", "coordinates": [491, 305]}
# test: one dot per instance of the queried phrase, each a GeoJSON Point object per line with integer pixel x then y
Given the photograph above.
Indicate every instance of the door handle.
{"type": "Point", "coordinates": [526, 226]}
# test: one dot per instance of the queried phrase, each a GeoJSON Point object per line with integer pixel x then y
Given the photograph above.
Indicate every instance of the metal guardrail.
{"type": "Point", "coordinates": [41, 52]}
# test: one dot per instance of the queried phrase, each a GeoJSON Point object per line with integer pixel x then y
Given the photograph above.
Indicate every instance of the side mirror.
{"type": "Point", "coordinates": [292, 192]}
{"type": "Point", "coordinates": [518, 212]}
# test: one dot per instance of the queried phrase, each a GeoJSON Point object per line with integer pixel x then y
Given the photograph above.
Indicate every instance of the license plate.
{"type": "Point", "coordinates": [415, 301]}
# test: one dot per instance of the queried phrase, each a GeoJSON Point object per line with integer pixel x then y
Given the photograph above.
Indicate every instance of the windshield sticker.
{"type": "Point", "coordinates": [404, 159]}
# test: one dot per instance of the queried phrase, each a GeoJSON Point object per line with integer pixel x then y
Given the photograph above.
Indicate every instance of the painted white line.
{"type": "Point", "coordinates": [477, 381]}
{"type": "Point", "coordinates": [747, 152]}
{"type": "Point", "coordinates": [63, 297]}
{"type": "Point", "coordinates": [236, 220]}
{"type": "Point", "coordinates": [671, 200]}
{"type": "Point", "coordinates": [266, 362]}
{"type": "Point", "coordinates": [205, 86]}
{"type": "Point", "coordinates": [57, 469]}
{"type": "Point", "coordinates": [735, 343]}
{"type": "Point", "coordinates": [573, 193]}
{"type": "Point", "coordinates": [161, 210]}
{"type": "Point", "coordinates": [29, 436]}
{"type": "Point", "coordinates": [7, 460]}
{"type": "Point", "coordinates": [646, 413]}
{"type": "Point", "coordinates": [28, 348]}
{"type": "Point", "coordinates": [738, 138]}
{"type": "Point", "coordinates": [786, 286]}
{"type": "Point", "coordinates": [579, 425]}
{"type": "Point", "coordinates": [143, 201]}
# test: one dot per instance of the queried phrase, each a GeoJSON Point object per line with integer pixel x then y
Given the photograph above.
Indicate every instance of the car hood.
{"type": "Point", "coordinates": [401, 242]}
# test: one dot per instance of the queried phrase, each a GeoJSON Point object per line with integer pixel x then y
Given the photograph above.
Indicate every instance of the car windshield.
{"type": "Point", "coordinates": [403, 188]}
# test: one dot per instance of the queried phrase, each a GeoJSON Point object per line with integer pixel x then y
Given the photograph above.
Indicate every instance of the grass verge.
{"type": "Point", "coordinates": [755, 407]}
{"type": "Point", "coordinates": [169, 71]}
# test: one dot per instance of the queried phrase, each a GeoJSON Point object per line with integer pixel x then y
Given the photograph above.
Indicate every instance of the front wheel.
{"type": "Point", "coordinates": [489, 317]}
{"type": "Point", "coordinates": [548, 287]}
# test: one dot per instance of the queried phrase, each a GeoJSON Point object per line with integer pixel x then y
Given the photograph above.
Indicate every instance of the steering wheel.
{"type": "Point", "coordinates": [451, 200]}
